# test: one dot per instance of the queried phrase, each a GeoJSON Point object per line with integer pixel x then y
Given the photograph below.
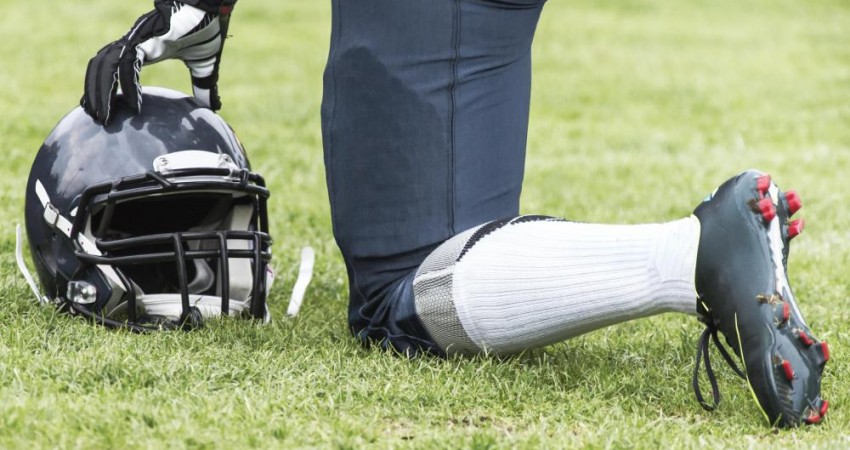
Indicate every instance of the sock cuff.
{"type": "Point", "coordinates": [673, 260]}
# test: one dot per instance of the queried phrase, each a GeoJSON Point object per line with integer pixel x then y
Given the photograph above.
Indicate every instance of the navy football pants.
{"type": "Point", "coordinates": [424, 121]}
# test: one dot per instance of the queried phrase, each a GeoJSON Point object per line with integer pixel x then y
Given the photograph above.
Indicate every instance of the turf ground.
{"type": "Point", "coordinates": [640, 108]}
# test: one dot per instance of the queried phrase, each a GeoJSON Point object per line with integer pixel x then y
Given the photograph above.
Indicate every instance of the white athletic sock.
{"type": "Point", "coordinates": [512, 285]}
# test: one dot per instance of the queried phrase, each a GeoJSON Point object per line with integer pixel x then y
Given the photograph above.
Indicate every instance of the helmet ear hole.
{"type": "Point", "coordinates": [93, 277]}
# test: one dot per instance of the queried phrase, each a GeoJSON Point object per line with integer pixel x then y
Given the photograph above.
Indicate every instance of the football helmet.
{"type": "Point", "coordinates": [155, 220]}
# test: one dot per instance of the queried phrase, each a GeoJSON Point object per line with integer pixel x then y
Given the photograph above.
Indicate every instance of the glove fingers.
{"type": "Point", "coordinates": [101, 83]}
{"type": "Point", "coordinates": [173, 29]}
{"type": "Point", "coordinates": [206, 91]}
{"type": "Point", "coordinates": [129, 68]}
{"type": "Point", "coordinates": [205, 69]}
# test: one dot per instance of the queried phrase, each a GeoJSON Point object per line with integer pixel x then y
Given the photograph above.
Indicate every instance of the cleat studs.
{"type": "Point", "coordinates": [824, 407]}
{"type": "Point", "coordinates": [763, 184]}
{"type": "Point", "coordinates": [789, 371]}
{"type": "Point", "coordinates": [767, 209]}
{"type": "Point", "coordinates": [813, 418]}
{"type": "Point", "coordinates": [795, 228]}
{"type": "Point", "coordinates": [786, 312]}
{"type": "Point", "coordinates": [794, 202]}
{"type": "Point", "coordinates": [824, 348]}
{"type": "Point", "coordinates": [807, 341]}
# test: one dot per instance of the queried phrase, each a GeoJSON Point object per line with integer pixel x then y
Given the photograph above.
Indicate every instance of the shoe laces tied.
{"type": "Point", "coordinates": [708, 335]}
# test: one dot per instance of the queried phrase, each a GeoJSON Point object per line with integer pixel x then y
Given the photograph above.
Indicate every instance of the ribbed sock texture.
{"type": "Point", "coordinates": [530, 283]}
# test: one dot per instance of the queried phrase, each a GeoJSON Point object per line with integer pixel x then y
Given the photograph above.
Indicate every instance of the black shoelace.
{"type": "Point", "coordinates": [702, 351]}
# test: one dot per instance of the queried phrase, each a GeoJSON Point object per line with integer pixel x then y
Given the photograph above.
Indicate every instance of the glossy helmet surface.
{"type": "Point", "coordinates": [154, 220]}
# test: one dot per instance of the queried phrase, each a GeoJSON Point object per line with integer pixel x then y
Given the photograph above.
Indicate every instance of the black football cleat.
{"type": "Point", "coordinates": [743, 289]}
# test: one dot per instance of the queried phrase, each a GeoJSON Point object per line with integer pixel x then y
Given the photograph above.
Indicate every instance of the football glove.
{"type": "Point", "coordinates": [173, 30]}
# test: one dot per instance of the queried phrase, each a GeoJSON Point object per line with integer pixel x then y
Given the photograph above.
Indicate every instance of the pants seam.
{"type": "Point", "coordinates": [452, 107]}
{"type": "Point", "coordinates": [334, 46]}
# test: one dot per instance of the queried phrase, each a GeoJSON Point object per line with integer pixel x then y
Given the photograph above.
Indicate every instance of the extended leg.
{"type": "Point", "coordinates": [424, 126]}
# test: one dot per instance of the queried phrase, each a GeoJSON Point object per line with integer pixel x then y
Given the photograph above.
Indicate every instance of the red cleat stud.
{"type": "Point", "coordinates": [813, 418]}
{"type": "Point", "coordinates": [795, 228]}
{"type": "Point", "coordinates": [789, 372]}
{"type": "Point", "coordinates": [807, 341]}
{"type": "Point", "coordinates": [823, 408]}
{"type": "Point", "coordinates": [768, 211]}
{"type": "Point", "coordinates": [763, 184]}
{"type": "Point", "coordinates": [824, 348]}
{"type": "Point", "coordinates": [786, 312]}
{"type": "Point", "coordinates": [794, 202]}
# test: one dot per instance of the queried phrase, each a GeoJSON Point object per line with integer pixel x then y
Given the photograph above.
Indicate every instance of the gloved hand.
{"type": "Point", "coordinates": [172, 30]}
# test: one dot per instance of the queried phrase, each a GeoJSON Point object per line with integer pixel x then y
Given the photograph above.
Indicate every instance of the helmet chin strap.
{"type": "Point", "coordinates": [171, 305]}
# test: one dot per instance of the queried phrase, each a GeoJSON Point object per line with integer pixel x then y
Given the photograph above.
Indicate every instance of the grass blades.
{"type": "Point", "coordinates": [639, 110]}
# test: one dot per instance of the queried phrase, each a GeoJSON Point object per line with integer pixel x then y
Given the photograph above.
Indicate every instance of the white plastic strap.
{"type": "Point", "coordinates": [305, 274]}
{"type": "Point", "coordinates": [51, 214]}
{"type": "Point", "coordinates": [53, 218]}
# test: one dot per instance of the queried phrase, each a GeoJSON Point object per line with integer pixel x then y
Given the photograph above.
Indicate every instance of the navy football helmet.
{"type": "Point", "coordinates": [153, 221]}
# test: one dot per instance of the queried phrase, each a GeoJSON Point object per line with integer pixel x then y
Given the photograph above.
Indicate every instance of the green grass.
{"type": "Point", "coordinates": [640, 108]}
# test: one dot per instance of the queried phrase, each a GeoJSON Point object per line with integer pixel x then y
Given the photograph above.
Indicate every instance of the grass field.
{"type": "Point", "coordinates": [640, 108]}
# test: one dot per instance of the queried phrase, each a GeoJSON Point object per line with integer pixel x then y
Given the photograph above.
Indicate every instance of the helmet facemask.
{"type": "Point", "coordinates": [172, 247]}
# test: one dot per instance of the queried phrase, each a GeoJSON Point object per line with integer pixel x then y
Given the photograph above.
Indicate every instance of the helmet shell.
{"type": "Point", "coordinates": [80, 153]}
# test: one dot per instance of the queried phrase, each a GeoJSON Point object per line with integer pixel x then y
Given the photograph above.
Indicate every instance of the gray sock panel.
{"type": "Point", "coordinates": [432, 288]}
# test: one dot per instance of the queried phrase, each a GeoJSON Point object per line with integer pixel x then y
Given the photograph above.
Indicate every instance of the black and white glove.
{"type": "Point", "coordinates": [173, 30]}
